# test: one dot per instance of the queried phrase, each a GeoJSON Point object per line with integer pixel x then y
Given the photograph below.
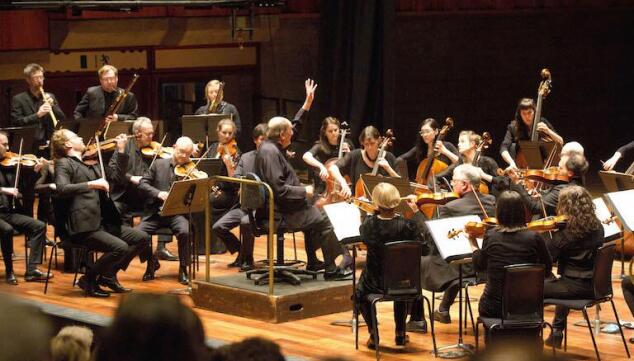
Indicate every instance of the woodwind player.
{"type": "Point", "coordinates": [211, 93]}
{"type": "Point", "coordinates": [98, 99]}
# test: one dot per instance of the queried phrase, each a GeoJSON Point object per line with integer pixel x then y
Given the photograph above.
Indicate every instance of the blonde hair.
{"type": "Point", "coordinates": [107, 68]}
{"type": "Point", "coordinates": [473, 136]}
{"type": "Point", "coordinates": [72, 343]}
{"type": "Point", "coordinates": [58, 143]}
{"type": "Point", "coordinates": [213, 82]}
{"type": "Point", "coordinates": [226, 121]}
{"type": "Point", "coordinates": [386, 196]}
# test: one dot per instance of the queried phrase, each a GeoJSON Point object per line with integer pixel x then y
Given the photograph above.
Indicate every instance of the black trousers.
{"type": "Point", "coordinates": [179, 226]}
{"type": "Point", "coordinates": [628, 293]}
{"type": "Point", "coordinates": [566, 288]}
{"type": "Point", "coordinates": [365, 307]}
{"type": "Point", "coordinates": [32, 228]}
{"type": "Point", "coordinates": [222, 229]}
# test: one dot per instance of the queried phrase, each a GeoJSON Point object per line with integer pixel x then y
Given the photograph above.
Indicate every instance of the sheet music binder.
{"type": "Point", "coordinates": [452, 249]}
{"type": "Point", "coordinates": [346, 220]}
{"type": "Point", "coordinates": [621, 204]}
{"type": "Point", "coordinates": [610, 231]}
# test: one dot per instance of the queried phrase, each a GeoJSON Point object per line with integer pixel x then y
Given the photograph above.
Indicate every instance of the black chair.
{"type": "Point", "coordinates": [254, 202]}
{"type": "Point", "coordinates": [602, 283]}
{"type": "Point", "coordinates": [401, 282]}
{"type": "Point", "coordinates": [522, 302]}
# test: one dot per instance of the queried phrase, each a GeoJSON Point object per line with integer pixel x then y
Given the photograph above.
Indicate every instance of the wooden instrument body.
{"type": "Point", "coordinates": [388, 139]}
{"type": "Point", "coordinates": [155, 148]}
{"type": "Point", "coordinates": [12, 159]}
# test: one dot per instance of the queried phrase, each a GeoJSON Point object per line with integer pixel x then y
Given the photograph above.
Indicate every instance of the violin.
{"type": "Point", "coordinates": [12, 159]}
{"type": "Point", "coordinates": [548, 224]}
{"type": "Point", "coordinates": [230, 148]}
{"type": "Point", "coordinates": [549, 175]}
{"type": "Point", "coordinates": [436, 198]}
{"type": "Point", "coordinates": [156, 149]}
{"type": "Point", "coordinates": [189, 171]}
{"type": "Point", "coordinates": [107, 145]}
{"type": "Point", "coordinates": [475, 229]}
{"type": "Point", "coordinates": [363, 205]}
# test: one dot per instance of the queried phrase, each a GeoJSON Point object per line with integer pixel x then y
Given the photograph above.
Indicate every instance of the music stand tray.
{"type": "Point", "coordinates": [402, 184]}
{"type": "Point", "coordinates": [185, 197]}
{"type": "Point", "coordinates": [615, 181]}
{"type": "Point", "coordinates": [536, 152]}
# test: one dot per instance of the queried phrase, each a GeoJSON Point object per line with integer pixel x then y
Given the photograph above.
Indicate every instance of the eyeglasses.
{"type": "Point", "coordinates": [459, 180]}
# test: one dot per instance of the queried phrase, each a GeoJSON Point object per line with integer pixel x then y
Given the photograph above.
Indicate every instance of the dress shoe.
{"type": "Point", "coordinates": [631, 339]}
{"type": "Point", "coordinates": [36, 275]}
{"type": "Point", "coordinates": [555, 339]}
{"type": "Point", "coordinates": [246, 266]}
{"type": "Point", "coordinates": [165, 255]}
{"type": "Point", "coordinates": [338, 275]}
{"type": "Point", "coordinates": [401, 340]}
{"type": "Point", "coordinates": [182, 276]}
{"type": "Point", "coordinates": [442, 316]}
{"type": "Point", "coordinates": [91, 288]}
{"type": "Point", "coordinates": [113, 284]}
{"type": "Point", "coordinates": [152, 266]}
{"type": "Point", "coordinates": [236, 263]}
{"type": "Point", "coordinates": [10, 278]}
{"type": "Point", "coordinates": [416, 326]}
{"type": "Point", "coordinates": [370, 343]}
{"type": "Point", "coordinates": [315, 266]}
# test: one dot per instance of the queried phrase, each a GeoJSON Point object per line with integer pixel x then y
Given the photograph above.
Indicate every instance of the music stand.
{"type": "Point", "coordinates": [457, 251]}
{"type": "Point", "coordinates": [402, 184]}
{"type": "Point", "coordinates": [210, 166]}
{"type": "Point", "coordinates": [536, 152]}
{"type": "Point", "coordinates": [116, 128]}
{"type": "Point", "coordinates": [88, 128]}
{"type": "Point", "coordinates": [615, 181]}
{"type": "Point", "coordinates": [24, 133]}
{"type": "Point", "coordinates": [195, 126]}
{"type": "Point", "coordinates": [187, 197]}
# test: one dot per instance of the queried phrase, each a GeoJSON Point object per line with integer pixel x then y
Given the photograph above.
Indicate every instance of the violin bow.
{"type": "Point", "coordinates": [159, 151]}
{"type": "Point", "coordinates": [101, 167]}
{"type": "Point", "coordinates": [477, 197]}
{"type": "Point", "coordinates": [17, 171]}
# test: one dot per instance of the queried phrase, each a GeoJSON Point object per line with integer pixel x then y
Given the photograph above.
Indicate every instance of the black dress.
{"type": "Point", "coordinates": [353, 165]}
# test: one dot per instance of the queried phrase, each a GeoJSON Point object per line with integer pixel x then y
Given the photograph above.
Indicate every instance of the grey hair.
{"type": "Point", "coordinates": [139, 122]}
{"type": "Point", "coordinates": [276, 126]}
{"type": "Point", "coordinates": [467, 172]}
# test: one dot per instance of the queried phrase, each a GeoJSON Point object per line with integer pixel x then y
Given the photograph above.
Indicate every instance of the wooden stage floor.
{"type": "Point", "coordinates": [305, 339]}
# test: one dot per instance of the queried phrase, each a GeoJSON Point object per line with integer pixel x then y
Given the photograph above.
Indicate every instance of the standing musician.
{"type": "Point", "coordinates": [610, 163]}
{"type": "Point", "coordinates": [34, 108]}
{"type": "Point", "coordinates": [156, 184]}
{"type": "Point", "coordinates": [211, 93]}
{"type": "Point", "coordinates": [361, 161]}
{"type": "Point", "coordinates": [447, 152]}
{"type": "Point", "coordinates": [98, 99]}
{"type": "Point", "coordinates": [236, 216]}
{"type": "Point", "coordinates": [91, 218]}
{"type": "Point", "coordinates": [326, 148]}
{"type": "Point", "coordinates": [35, 230]}
{"type": "Point", "coordinates": [574, 249]}
{"type": "Point", "coordinates": [520, 129]}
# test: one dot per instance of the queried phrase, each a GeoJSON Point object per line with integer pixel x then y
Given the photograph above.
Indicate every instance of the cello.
{"type": "Point", "coordinates": [484, 143]}
{"type": "Point", "coordinates": [388, 139]}
{"type": "Point", "coordinates": [333, 188]}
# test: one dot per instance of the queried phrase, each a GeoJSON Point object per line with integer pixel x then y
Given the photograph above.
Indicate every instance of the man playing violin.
{"type": "Point", "coordinates": [34, 229]}
{"type": "Point", "coordinates": [98, 99]}
{"type": "Point", "coordinates": [89, 217]}
{"type": "Point", "coordinates": [156, 184]}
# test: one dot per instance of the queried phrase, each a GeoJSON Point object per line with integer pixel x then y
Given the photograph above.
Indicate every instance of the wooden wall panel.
{"type": "Point", "coordinates": [23, 30]}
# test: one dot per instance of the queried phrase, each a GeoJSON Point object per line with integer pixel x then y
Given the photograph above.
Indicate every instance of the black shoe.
{"type": "Point", "coordinates": [555, 339]}
{"type": "Point", "coordinates": [182, 276]}
{"type": "Point", "coordinates": [442, 316]}
{"type": "Point", "coordinates": [36, 275]}
{"type": "Point", "coordinates": [165, 255]}
{"type": "Point", "coordinates": [148, 275]}
{"type": "Point", "coordinates": [401, 340]}
{"type": "Point", "coordinates": [370, 343]}
{"type": "Point", "coordinates": [338, 275]}
{"type": "Point", "coordinates": [246, 266]}
{"type": "Point", "coordinates": [152, 266]}
{"type": "Point", "coordinates": [91, 289]}
{"type": "Point", "coordinates": [10, 278]}
{"type": "Point", "coordinates": [236, 263]}
{"type": "Point", "coordinates": [416, 326]}
{"type": "Point", "coordinates": [631, 339]}
{"type": "Point", "coordinates": [315, 266]}
{"type": "Point", "coordinates": [113, 284]}
{"type": "Point", "coordinates": [49, 242]}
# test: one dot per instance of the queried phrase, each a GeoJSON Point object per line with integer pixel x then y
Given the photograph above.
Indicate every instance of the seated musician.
{"type": "Point", "coordinates": [236, 217]}
{"type": "Point", "coordinates": [91, 217]}
{"type": "Point", "coordinates": [573, 166]}
{"type": "Point", "coordinates": [98, 99]}
{"type": "Point", "coordinates": [156, 184]}
{"type": "Point", "coordinates": [326, 148]}
{"type": "Point", "coordinates": [383, 227]}
{"type": "Point", "coordinates": [574, 249]}
{"type": "Point", "coordinates": [361, 161]}
{"type": "Point", "coordinates": [610, 163]}
{"type": "Point", "coordinates": [291, 200]}
{"type": "Point", "coordinates": [211, 93]}
{"type": "Point", "coordinates": [436, 273]}
{"type": "Point", "coordinates": [520, 129]}
{"type": "Point", "coordinates": [429, 129]}
{"type": "Point", "coordinates": [34, 229]}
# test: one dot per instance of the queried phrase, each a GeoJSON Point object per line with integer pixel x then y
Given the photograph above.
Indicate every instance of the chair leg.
{"type": "Point", "coordinates": [618, 322]}
{"type": "Point", "coordinates": [375, 318]}
{"type": "Point", "coordinates": [594, 343]}
{"type": "Point", "coordinates": [551, 332]}
{"type": "Point", "coordinates": [50, 263]}
{"type": "Point", "coordinates": [431, 323]}
{"type": "Point", "coordinates": [294, 246]}
{"type": "Point", "coordinates": [356, 325]}
{"type": "Point", "coordinates": [26, 252]}
{"type": "Point", "coordinates": [82, 255]}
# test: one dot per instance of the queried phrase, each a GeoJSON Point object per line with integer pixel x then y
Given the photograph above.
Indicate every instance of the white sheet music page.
{"type": "Point", "coordinates": [345, 219]}
{"type": "Point", "coordinates": [451, 248]}
{"type": "Point", "coordinates": [603, 213]}
{"type": "Point", "coordinates": [622, 205]}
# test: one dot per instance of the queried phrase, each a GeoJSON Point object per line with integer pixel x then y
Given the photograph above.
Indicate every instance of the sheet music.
{"type": "Point", "coordinates": [452, 248]}
{"type": "Point", "coordinates": [602, 212]}
{"type": "Point", "coordinates": [622, 206]}
{"type": "Point", "coordinates": [345, 219]}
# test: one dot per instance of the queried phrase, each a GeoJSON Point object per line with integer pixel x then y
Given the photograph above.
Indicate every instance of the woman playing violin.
{"type": "Point", "coordinates": [574, 249]}
{"type": "Point", "coordinates": [326, 148]}
{"type": "Point", "coordinates": [226, 147]}
{"type": "Point", "coordinates": [520, 129]}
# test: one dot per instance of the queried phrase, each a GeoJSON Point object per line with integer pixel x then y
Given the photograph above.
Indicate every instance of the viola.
{"type": "Point", "coordinates": [436, 198]}
{"type": "Point", "coordinates": [363, 205]}
{"type": "Point", "coordinates": [155, 149]}
{"type": "Point", "coordinates": [548, 224]}
{"type": "Point", "coordinates": [13, 159]}
{"type": "Point", "coordinates": [475, 229]}
{"type": "Point", "coordinates": [548, 175]}
{"type": "Point", "coordinates": [107, 145]}
{"type": "Point", "coordinates": [189, 171]}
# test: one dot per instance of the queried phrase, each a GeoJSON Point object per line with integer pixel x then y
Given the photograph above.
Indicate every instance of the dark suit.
{"type": "Point", "coordinates": [96, 102]}
{"type": "Point", "coordinates": [91, 217]}
{"type": "Point", "coordinates": [127, 196]}
{"type": "Point", "coordinates": [24, 107]}
{"type": "Point", "coordinates": [159, 178]}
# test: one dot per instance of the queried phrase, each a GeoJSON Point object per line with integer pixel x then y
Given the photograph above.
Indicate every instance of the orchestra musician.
{"type": "Point", "coordinates": [30, 108]}
{"type": "Point", "coordinates": [155, 184]}
{"type": "Point", "coordinates": [34, 230]}
{"type": "Point", "coordinates": [377, 229]}
{"type": "Point", "coordinates": [610, 163]}
{"type": "Point", "coordinates": [520, 129]}
{"type": "Point", "coordinates": [89, 215]}
{"type": "Point", "coordinates": [98, 99]}
{"type": "Point", "coordinates": [361, 161]}
{"type": "Point", "coordinates": [236, 216]}
{"type": "Point", "coordinates": [211, 93]}
{"type": "Point", "coordinates": [574, 249]}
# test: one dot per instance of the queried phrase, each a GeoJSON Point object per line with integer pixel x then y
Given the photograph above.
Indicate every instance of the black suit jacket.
{"type": "Point", "coordinates": [24, 108]}
{"type": "Point", "coordinates": [158, 179]}
{"type": "Point", "coordinates": [87, 210]}
{"type": "Point", "coordinates": [467, 205]}
{"type": "Point", "coordinates": [93, 105]}
{"type": "Point", "coordinates": [137, 166]}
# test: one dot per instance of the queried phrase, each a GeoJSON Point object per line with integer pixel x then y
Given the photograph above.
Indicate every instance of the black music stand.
{"type": "Point", "coordinates": [87, 128]}
{"type": "Point", "coordinates": [187, 197]}
{"type": "Point", "coordinates": [210, 166]}
{"type": "Point", "coordinates": [18, 133]}
{"type": "Point", "coordinates": [615, 181]}
{"type": "Point", "coordinates": [402, 184]}
{"type": "Point", "coordinates": [116, 128]}
{"type": "Point", "coordinates": [197, 126]}
{"type": "Point", "coordinates": [535, 153]}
